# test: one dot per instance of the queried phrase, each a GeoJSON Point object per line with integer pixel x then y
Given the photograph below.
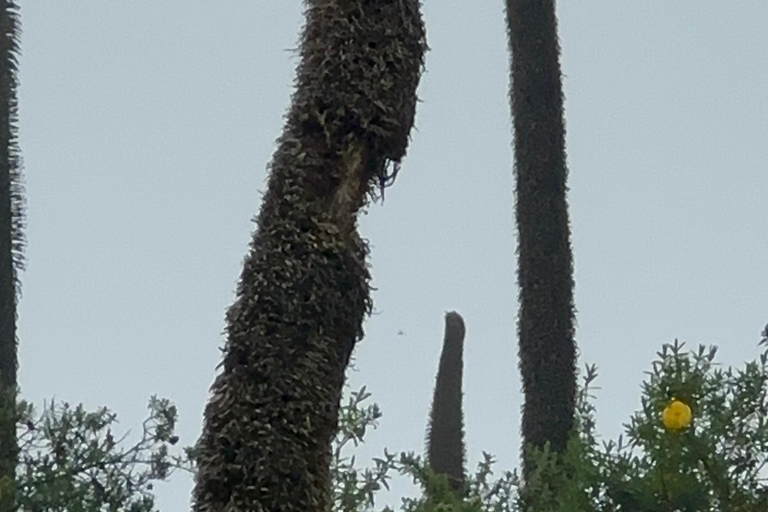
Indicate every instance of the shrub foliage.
{"type": "Point", "coordinates": [715, 465]}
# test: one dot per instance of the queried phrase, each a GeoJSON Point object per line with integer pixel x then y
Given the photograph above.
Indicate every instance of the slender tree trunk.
{"type": "Point", "coordinates": [545, 271]}
{"type": "Point", "coordinates": [304, 290]}
{"type": "Point", "coordinates": [445, 437]}
{"type": "Point", "coordinates": [11, 246]}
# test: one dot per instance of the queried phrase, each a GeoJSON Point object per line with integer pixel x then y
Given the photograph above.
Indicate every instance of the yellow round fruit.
{"type": "Point", "coordinates": [677, 415]}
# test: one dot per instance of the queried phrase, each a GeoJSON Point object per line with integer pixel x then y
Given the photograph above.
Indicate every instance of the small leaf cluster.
{"type": "Point", "coordinates": [482, 492]}
{"type": "Point", "coordinates": [353, 488]}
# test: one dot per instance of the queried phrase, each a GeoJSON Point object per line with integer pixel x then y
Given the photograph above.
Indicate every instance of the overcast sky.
{"type": "Point", "coordinates": [146, 128]}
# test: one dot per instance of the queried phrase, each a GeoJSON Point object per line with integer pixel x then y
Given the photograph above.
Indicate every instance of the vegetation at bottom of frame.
{"type": "Point", "coordinates": [72, 459]}
{"type": "Point", "coordinates": [712, 460]}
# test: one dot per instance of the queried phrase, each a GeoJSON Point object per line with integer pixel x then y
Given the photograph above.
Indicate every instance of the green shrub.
{"type": "Point", "coordinates": [715, 465]}
{"type": "Point", "coordinates": [70, 459]}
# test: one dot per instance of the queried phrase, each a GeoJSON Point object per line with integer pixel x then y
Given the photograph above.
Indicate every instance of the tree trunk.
{"type": "Point", "coordinates": [545, 268]}
{"type": "Point", "coordinates": [304, 289]}
{"type": "Point", "coordinates": [11, 248]}
{"type": "Point", "coordinates": [445, 437]}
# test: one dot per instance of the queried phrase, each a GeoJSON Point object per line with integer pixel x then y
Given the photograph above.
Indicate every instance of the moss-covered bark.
{"type": "Point", "coordinates": [545, 268]}
{"type": "Point", "coordinates": [11, 246]}
{"type": "Point", "coordinates": [445, 435]}
{"type": "Point", "coordinates": [304, 290]}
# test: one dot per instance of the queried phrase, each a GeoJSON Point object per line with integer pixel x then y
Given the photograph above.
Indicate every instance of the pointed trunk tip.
{"type": "Point", "coordinates": [454, 320]}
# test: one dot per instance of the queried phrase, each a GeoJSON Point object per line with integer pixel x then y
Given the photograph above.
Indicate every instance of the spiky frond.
{"type": "Point", "coordinates": [14, 202]}
{"type": "Point", "coordinates": [11, 244]}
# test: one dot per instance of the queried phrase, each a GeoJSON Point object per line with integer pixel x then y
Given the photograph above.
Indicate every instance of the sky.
{"type": "Point", "coordinates": [146, 128]}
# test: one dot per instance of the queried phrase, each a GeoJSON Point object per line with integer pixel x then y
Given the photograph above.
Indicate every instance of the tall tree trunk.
{"type": "Point", "coordinates": [445, 436]}
{"type": "Point", "coordinates": [304, 290]}
{"type": "Point", "coordinates": [545, 268]}
{"type": "Point", "coordinates": [11, 247]}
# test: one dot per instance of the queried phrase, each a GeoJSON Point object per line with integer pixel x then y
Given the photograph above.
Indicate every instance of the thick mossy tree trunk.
{"type": "Point", "coordinates": [445, 435]}
{"type": "Point", "coordinates": [304, 290]}
{"type": "Point", "coordinates": [545, 269]}
{"type": "Point", "coordinates": [11, 247]}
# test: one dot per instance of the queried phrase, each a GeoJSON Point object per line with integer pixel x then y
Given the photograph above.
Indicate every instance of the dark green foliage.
{"type": "Point", "coordinates": [717, 465]}
{"type": "Point", "coordinates": [11, 238]}
{"type": "Point", "coordinates": [304, 289]}
{"type": "Point", "coordinates": [71, 460]}
{"type": "Point", "coordinates": [545, 271]}
{"type": "Point", "coordinates": [445, 435]}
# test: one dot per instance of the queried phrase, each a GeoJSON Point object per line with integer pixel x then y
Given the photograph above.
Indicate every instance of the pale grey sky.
{"type": "Point", "coordinates": [146, 128]}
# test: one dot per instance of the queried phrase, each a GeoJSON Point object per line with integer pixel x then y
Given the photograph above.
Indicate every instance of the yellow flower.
{"type": "Point", "coordinates": [677, 415]}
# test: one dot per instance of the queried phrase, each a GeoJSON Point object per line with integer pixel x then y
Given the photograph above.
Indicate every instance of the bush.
{"type": "Point", "coordinates": [713, 465]}
{"type": "Point", "coordinates": [70, 459]}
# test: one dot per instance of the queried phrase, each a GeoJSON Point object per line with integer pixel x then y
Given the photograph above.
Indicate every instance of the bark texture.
{"type": "Point", "coordinates": [545, 270]}
{"type": "Point", "coordinates": [304, 289]}
{"type": "Point", "coordinates": [445, 436]}
{"type": "Point", "coordinates": [11, 246]}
